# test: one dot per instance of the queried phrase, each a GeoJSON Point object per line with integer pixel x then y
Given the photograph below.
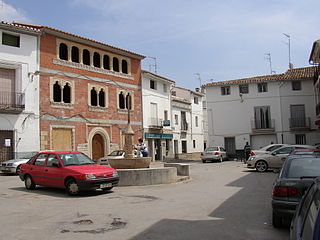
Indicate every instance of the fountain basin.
{"type": "Point", "coordinates": [130, 163]}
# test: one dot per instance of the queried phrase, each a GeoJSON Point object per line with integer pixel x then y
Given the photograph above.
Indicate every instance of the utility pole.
{"type": "Point", "coordinates": [289, 48]}
{"type": "Point", "coordinates": [268, 58]}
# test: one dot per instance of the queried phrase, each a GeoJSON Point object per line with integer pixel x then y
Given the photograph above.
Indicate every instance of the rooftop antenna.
{"type": "Point", "coordinates": [155, 63]}
{"type": "Point", "coordinates": [289, 48]}
{"type": "Point", "coordinates": [199, 78]}
{"type": "Point", "coordinates": [268, 58]}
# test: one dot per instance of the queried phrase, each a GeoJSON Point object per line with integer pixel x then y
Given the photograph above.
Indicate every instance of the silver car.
{"type": "Point", "coordinates": [13, 165]}
{"type": "Point", "coordinates": [273, 159]}
{"type": "Point", "coordinates": [216, 153]}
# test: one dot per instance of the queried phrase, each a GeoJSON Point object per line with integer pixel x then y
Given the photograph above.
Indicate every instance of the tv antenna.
{"type": "Point", "coordinates": [199, 78]}
{"type": "Point", "coordinates": [289, 49]}
{"type": "Point", "coordinates": [268, 58]}
{"type": "Point", "coordinates": [153, 65]}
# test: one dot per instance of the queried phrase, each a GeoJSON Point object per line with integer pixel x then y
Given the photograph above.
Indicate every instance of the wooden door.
{"type": "Point", "coordinates": [62, 139]}
{"type": "Point", "coordinates": [97, 147]}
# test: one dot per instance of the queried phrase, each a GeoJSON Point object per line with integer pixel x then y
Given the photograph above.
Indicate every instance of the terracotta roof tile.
{"type": "Point", "coordinates": [291, 74]}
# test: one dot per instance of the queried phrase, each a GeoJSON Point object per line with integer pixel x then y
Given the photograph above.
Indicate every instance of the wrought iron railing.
{"type": "Point", "coordinates": [155, 122]}
{"type": "Point", "coordinates": [300, 122]}
{"type": "Point", "coordinates": [262, 124]}
{"type": "Point", "coordinates": [12, 100]}
{"type": "Point", "coordinates": [184, 126]}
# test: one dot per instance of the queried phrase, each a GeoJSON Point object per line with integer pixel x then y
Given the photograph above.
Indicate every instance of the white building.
{"type": "Point", "coordinates": [19, 90]}
{"type": "Point", "coordinates": [156, 100]}
{"type": "Point", "coordinates": [187, 117]}
{"type": "Point", "coordinates": [274, 108]}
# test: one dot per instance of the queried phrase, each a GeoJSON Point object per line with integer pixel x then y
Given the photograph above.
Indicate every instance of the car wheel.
{"type": "Point", "coordinates": [276, 220]}
{"type": "Point", "coordinates": [204, 161]}
{"type": "Point", "coordinates": [261, 166]}
{"type": "Point", "coordinates": [18, 170]}
{"type": "Point", "coordinates": [72, 187]}
{"type": "Point", "coordinates": [28, 182]}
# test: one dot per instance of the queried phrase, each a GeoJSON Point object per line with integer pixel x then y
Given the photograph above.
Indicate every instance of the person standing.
{"type": "Point", "coordinates": [247, 151]}
{"type": "Point", "coordinates": [143, 148]}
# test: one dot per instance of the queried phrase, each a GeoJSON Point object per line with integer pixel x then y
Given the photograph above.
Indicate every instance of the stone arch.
{"type": "Point", "coordinates": [105, 136]}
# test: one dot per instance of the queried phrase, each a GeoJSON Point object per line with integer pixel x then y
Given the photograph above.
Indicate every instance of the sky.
{"type": "Point", "coordinates": [192, 42]}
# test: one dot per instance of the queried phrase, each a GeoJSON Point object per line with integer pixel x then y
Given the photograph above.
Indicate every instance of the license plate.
{"type": "Point", "coordinates": [105, 185]}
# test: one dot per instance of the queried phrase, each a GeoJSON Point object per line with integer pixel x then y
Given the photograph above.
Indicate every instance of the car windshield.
{"type": "Point", "coordinates": [272, 148]}
{"type": "Point", "coordinates": [75, 159]}
{"type": "Point", "coordinates": [116, 153]}
{"type": "Point", "coordinates": [212, 149]}
{"type": "Point", "coordinates": [303, 167]}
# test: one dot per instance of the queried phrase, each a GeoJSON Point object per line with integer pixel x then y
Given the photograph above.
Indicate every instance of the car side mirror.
{"type": "Point", "coordinates": [273, 154]}
{"type": "Point", "coordinates": [56, 165]}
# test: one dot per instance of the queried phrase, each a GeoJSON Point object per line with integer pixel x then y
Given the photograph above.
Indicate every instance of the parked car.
{"type": "Point", "coordinates": [274, 159]}
{"type": "Point", "coordinates": [306, 221]}
{"type": "Point", "coordinates": [266, 149]}
{"type": "Point", "coordinates": [116, 154]}
{"type": "Point", "coordinates": [71, 170]}
{"type": "Point", "coordinates": [214, 154]}
{"type": "Point", "coordinates": [296, 175]}
{"type": "Point", "coordinates": [13, 165]}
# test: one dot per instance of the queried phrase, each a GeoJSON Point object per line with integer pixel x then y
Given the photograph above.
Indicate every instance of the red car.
{"type": "Point", "coordinates": [73, 171]}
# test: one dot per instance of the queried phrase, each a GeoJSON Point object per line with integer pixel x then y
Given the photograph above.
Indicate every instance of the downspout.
{"type": "Point", "coordinates": [281, 113]}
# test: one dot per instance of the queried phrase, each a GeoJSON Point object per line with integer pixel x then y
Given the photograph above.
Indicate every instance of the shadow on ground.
{"type": "Point", "coordinates": [245, 215]}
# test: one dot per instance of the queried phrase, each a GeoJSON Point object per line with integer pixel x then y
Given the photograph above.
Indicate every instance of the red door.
{"type": "Point", "coordinates": [54, 172]}
{"type": "Point", "coordinates": [36, 169]}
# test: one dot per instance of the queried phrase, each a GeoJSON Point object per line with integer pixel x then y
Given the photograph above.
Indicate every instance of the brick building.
{"type": "Point", "coordinates": [86, 89]}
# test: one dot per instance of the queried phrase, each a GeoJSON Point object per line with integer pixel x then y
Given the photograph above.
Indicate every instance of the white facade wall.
{"type": "Point", "coordinates": [232, 115]}
{"type": "Point", "coordinates": [25, 61]}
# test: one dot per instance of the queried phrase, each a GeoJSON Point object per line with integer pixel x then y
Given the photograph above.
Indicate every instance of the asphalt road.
{"type": "Point", "coordinates": [221, 201]}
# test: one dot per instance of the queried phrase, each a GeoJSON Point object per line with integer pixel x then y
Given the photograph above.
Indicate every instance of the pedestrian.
{"type": "Point", "coordinates": [142, 148]}
{"type": "Point", "coordinates": [247, 151]}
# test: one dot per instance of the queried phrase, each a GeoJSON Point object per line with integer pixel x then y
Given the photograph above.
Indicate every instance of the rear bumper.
{"type": "Point", "coordinates": [284, 209]}
{"type": "Point", "coordinates": [96, 184]}
{"type": "Point", "coordinates": [212, 157]}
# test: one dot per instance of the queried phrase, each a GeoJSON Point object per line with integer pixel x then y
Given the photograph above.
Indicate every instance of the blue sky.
{"type": "Point", "coordinates": [219, 39]}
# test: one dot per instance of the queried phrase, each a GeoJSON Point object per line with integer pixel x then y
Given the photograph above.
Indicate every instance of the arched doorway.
{"type": "Point", "coordinates": [98, 147]}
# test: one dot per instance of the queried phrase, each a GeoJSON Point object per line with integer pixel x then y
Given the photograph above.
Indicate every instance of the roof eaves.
{"type": "Point", "coordinates": [19, 28]}
{"type": "Point", "coordinates": [157, 76]}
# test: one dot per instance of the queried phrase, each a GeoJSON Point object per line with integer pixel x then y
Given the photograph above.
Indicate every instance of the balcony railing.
{"type": "Point", "coordinates": [184, 126]}
{"type": "Point", "coordinates": [155, 122]}
{"type": "Point", "coordinates": [11, 101]}
{"type": "Point", "coordinates": [262, 125]}
{"type": "Point", "coordinates": [297, 123]}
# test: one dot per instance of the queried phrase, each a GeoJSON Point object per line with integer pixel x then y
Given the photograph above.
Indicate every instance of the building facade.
{"type": "Point", "coordinates": [19, 90]}
{"type": "Point", "coordinates": [275, 108]}
{"type": "Point", "coordinates": [157, 121]}
{"type": "Point", "coordinates": [88, 90]}
{"type": "Point", "coordinates": [187, 126]}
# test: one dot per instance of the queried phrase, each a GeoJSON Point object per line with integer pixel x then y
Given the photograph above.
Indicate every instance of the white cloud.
{"type": "Point", "coordinates": [8, 13]}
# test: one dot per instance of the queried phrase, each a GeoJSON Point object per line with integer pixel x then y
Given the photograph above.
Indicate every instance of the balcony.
{"type": "Point", "coordinates": [155, 123]}
{"type": "Point", "coordinates": [300, 123]}
{"type": "Point", "coordinates": [263, 126]}
{"type": "Point", "coordinates": [11, 102]}
{"type": "Point", "coordinates": [184, 126]}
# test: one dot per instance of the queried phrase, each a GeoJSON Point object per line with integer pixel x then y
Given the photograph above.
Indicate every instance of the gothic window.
{"type": "Point", "coordinates": [75, 54]}
{"type": "Point", "coordinates": [57, 92]}
{"type": "Point", "coordinates": [106, 62]}
{"type": "Point", "coordinates": [128, 101]}
{"type": "Point", "coordinates": [63, 51]}
{"type": "Point", "coordinates": [124, 66]}
{"type": "Point", "coordinates": [115, 64]}
{"type": "Point", "coordinates": [96, 59]}
{"type": "Point", "coordinates": [121, 101]}
{"type": "Point", "coordinates": [86, 57]}
{"type": "Point", "coordinates": [67, 93]}
{"type": "Point", "coordinates": [102, 98]}
{"type": "Point", "coordinates": [94, 99]}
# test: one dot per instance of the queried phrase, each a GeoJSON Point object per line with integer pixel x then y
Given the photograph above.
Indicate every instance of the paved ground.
{"type": "Point", "coordinates": [222, 201]}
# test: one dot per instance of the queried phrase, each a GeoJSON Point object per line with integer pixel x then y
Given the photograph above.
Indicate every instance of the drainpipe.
{"type": "Point", "coordinates": [281, 113]}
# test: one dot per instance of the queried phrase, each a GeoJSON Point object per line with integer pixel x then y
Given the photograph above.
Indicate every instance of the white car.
{"type": "Point", "coordinates": [267, 149]}
{"type": "Point", "coordinates": [216, 153]}
{"type": "Point", "coordinates": [116, 154]}
{"type": "Point", "coordinates": [13, 165]}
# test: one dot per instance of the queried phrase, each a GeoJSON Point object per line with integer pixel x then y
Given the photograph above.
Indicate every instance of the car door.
{"type": "Point", "coordinates": [36, 169]}
{"type": "Point", "coordinates": [53, 171]}
{"type": "Point", "coordinates": [277, 157]}
{"type": "Point", "coordinates": [223, 152]}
